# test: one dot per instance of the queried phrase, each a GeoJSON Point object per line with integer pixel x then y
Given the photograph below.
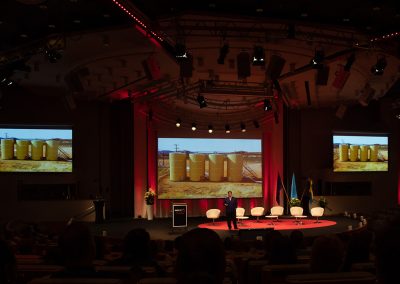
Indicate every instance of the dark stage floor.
{"type": "Point", "coordinates": [162, 228]}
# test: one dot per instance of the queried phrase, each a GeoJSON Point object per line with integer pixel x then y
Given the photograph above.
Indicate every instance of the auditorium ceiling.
{"type": "Point", "coordinates": [94, 50]}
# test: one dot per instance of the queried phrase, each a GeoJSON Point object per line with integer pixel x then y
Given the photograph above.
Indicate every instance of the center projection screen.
{"type": "Point", "coordinates": [194, 168]}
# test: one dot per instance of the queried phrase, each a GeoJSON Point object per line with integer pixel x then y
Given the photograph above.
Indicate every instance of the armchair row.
{"type": "Point", "coordinates": [276, 212]}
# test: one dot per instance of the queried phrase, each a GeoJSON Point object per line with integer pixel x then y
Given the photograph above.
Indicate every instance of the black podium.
{"type": "Point", "coordinates": [99, 210]}
{"type": "Point", "coordinates": [179, 215]}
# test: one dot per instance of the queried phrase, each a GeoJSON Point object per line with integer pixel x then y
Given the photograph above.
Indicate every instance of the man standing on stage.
{"type": "Point", "coordinates": [230, 203]}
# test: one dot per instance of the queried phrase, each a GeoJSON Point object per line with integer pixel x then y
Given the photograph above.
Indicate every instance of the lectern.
{"type": "Point", "coordinates": [179, 215]}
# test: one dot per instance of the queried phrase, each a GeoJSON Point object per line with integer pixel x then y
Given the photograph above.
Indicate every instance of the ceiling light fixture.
{"type": "Point", "coordinates": [178, 122]}
{"type": "Point", "coordinates": [210, 129]}
{"type": "Point", "coordinates": [258, 56]}
{"type": "Point", "coordinates": [202, 101]}
{"type": "Point", "coordinates": [194, 126]}
{"type": "Point", "coordinates": [227, 128]}
{"type": "Point", "coordinates": [267, 105]}
{"type": "Point", "coordinates": [379, 67]}
{"type": "Point", "coordinates": [223, 52]}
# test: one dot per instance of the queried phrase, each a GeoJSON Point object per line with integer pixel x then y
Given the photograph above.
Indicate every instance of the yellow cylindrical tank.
{"type": "Point", "coordinates": [343, 152]}
{"type": "Point", "coordinates": [52, 149]}
{"type": "Point", "coordinates": [177, 166]}
{"type": "Point", "coordinates": [354, 152]}
{"type": "Point", "coordinates": [22, 147]}
{"type": "Point", "coordinates": [37, 149]}
{"type": "Point", "coordinates": [7, 149]}
{"type": "Point", "coordinates": [364, 153]}
{"type": "Point", "coordinates": [374, 153]}
{"type": "Point", "coordinates": [197, 166]}
{"type": "Point", "coordinates": [235, 167]}
{"type": "Point", "coordinates": [215, 167]}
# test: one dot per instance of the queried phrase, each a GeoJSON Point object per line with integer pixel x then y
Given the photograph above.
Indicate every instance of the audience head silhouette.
{"type": "Point", "coordinates": [77, 246]}
{"type": "Point", "coordinates": [201, 257]}
{"type": "Point", "coordinates": [136, 245]}
{"type": "Point", "coordinates": [327, 254]}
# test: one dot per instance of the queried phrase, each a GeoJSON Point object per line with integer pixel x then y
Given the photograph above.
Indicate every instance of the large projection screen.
{"type": "Point", "coordinates": [193, 168]}
{"type": "Point", "coordinates": [360, 153]}
{"type": "Point", "coordinates": [30, 149]}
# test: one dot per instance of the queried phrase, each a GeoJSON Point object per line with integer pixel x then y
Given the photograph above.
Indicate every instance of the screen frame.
{"type": "Point", "coordinates": [205, 137]}
{"type": "Point", "coordinates": [361, 133]}
{"type": "Point", "coordinates": [42, 126]}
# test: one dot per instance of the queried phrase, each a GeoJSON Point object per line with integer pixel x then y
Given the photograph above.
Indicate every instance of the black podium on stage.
{"type": "Point", "coordinates": [99, 210]}
{"type": "Point", "coordinates": [179, 215]}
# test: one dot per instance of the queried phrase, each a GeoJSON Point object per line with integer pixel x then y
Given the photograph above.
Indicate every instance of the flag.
{"type": "Point", "coordinates": [311, 192]}
{"type": "Point", "coordinates": [278, 189]}
{"type": "Point", "coordinates": [293, 189]}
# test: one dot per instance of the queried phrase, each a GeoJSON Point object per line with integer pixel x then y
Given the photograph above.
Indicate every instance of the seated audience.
{"type": "Point", "coordinates": [327, 255]}
{"type": "Point", "coordinates": [8, 266]}
{"type": "Point", "coordinates": [358, 249]}
{"type": "Point", "coordinates": [201, 258]}
{"type": "Point", "coordinates": [282, 251]}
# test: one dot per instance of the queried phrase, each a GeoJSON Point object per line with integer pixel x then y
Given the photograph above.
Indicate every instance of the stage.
{"type": "Point", "coordinates": [161, 228]}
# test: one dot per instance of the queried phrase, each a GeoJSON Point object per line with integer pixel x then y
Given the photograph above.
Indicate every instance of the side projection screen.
{"type": "Point", "coordinates": [34, 149]}
{"type": "Point", "coordinates": [190, 168]}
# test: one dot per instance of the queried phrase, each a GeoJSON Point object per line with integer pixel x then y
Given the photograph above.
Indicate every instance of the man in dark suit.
{"type": "Point", "coordinates": [230, 203]}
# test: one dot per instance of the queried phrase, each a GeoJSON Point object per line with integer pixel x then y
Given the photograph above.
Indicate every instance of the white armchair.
{"type": "Point", "coordinates": [240, 214]}
{"type": "Point", "coordinates": [257, 212]}
{"type": "Point", "coordinates": [297, 212]}
{"type": "Point", "coordinates": [213, 214]}
{"type": "Point", "coordinates": [317, 212]}
{"type": "Point", "coordinates": [277, 211]}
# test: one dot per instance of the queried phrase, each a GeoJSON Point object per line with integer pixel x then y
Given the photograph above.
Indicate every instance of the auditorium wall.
{"type": "Point", "coordinates": [309, 153]}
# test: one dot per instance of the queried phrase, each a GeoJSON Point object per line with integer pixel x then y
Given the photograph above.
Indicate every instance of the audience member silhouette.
{"type": "Point", "coordinates": [327, 255]}
{"type": "Point", "coordinates": [77, 250]}
{"type": "Point", "coordinates": [136, 251]}
{"type": "Point", "coordinates": [282, 251]}
{"type": "Point", "coordinates": [358, 249]}
{"type": "Point", "coordinates": [8, 265]}
{"type": "Point", "coordinates": [387, 252]}
{"type": "Point", "coordinates": [201, 258]}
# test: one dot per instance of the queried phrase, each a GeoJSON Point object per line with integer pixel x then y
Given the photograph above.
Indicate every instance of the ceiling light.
{"type": "Point", "coordinates": [379, 67]}
{"type": "Point", "coordinates": [178, 122]}
{"type": "Point", "coordinates": [227, 128]}
{"type": "Point", "coordinates": [267, 105]}
{"type": "Point", "coordinates": [256, 124]}
{"type": "Point", "coordinates": [223, 52]}
{"type": "Point", "coordinates": [194, 126]}
{"type": "Point", "coordinates": [258, 56]}
{"type": "Point", "coordinates": [180, 51]}
{"type": "Point", "coordinates": [317, 60]}
{"type": "Point", "coordinates": [202, 101]}
{"type": "Point", "coordinates": [210, 129]}
{"type": "Point", "coordinates": [243, 127]}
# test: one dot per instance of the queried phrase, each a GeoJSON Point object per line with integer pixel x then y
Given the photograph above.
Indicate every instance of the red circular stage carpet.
{"type": "Point", "coordinates": [283, 224]}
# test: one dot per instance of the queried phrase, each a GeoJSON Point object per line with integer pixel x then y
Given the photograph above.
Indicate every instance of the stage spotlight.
{"type": "Point", "coordinates": [223, 52]}
{"type": "Point", "coordinates": [178, 122]}
{"type": "Point", "coordinates": [52, 55]}
{"type": "Point", "coordinates": [379, 67]}
{"type": "Point", "coordinates": [202, 101]}
{"type": "Point", "coordinates": [243, 127]}
{"type": "Point", "coordinates": [256, 124]}
{"type": "Point", "coordinates": [227, 128]}
{"type": "Point", "coordinates": [180, 51]}
{"type": "Point", "coordinates": [258, 56]}
{"type": "Point", "coordinates": [194, 126]}
{"type": "Point", "coordinates": [349, 62]}
{"type": "Point", "coordinates": [210, 129]}
{"type": "Point", "coordinates": [267, 105]}
{"type": "Point", "coordinates": [317, 60]}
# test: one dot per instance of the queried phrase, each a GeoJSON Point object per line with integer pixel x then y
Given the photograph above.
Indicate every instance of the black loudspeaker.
{"type": "Point", "coordinates": [322, 76]}
{"type": "Point", "coordinates": [275, 66]}
{"type": "Point", "coordinates": [243, 65]}
{"type": "Point", "coordinates": [254, 234]}
{"type": "Point", "coordinates": [186, 67]}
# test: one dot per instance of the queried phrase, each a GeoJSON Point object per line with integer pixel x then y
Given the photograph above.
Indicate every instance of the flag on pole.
{"type": "Point", "coordinates": [311, 192]}
{"type": "Point", "coordinates": [278, 189]}
{"type": "Point", "coordinates": [293, 189]}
